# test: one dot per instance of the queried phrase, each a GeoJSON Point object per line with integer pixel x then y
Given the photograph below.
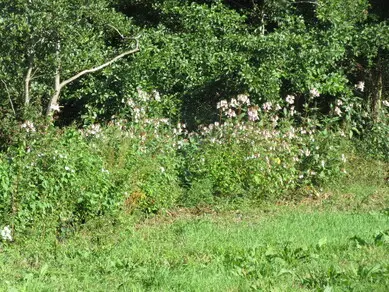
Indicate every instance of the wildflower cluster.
{"type": "Point", "coordinates": [28, 126]}
{"type": "Point", "coordinates": [260, 153]}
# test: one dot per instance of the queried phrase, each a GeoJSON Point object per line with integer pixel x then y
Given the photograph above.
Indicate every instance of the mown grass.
{"type": "Point", "coordinates": [333, 240]}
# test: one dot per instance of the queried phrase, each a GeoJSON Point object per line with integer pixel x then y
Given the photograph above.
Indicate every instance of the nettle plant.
{"type": "Point", "coordinates": [257, 151]}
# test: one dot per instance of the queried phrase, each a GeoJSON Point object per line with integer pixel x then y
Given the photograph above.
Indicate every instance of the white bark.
{"type": "Point", "coordinates": [27, 82]}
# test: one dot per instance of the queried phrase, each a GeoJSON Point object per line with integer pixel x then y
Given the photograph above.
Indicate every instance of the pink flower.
{"type": "Point", "coordinates": [253, 114]}
{"type": "Point", "coordinates": [267, 106]}
{"type": "Point", "coordinates": [231, 113]}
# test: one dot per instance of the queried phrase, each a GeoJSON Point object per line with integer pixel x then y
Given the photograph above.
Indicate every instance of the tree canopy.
{"type": "Point", "coordinates": [194, 52]}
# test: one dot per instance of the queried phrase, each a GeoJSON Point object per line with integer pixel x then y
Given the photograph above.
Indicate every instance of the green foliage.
{"type": "Point", "coordinates": [200, 192]}
{"type": "Point", "coordinates": [56, 176]}
{"type": "Point", "coordinates": [375, 141]}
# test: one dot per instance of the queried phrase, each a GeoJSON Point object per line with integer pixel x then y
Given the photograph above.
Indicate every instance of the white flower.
{"type": "Point", "coordinates": [290, 99]}
{"type": "Point", "coordinates": [67, 168]}
{"type": "Point", "coordinates": [143, 96]}
{"type": "Point", "coordinates": [223, 104]}
{"type": "Point", "coordinates": [339, 102]}
{"type": "Point", "coordinates": [338, 111]}
{"type": "Point", "coordinates": [103, 170]}
{"type": "Point", "coordinates": [55, 107]}
{"type": "Point", "coordinates": [360, 86]}
{"type": "Point", "coordinates": [343, 158]}
{"type": "Point", "coordinates": [162, 169]}
{"type": "Point", "coordinates": [314, 92]}
{"type": "Point", "coordinates": [244, 99]}
{"type": "Point", "coordinates": [275, 119]}
{"type": "Point", "coordinates": [93, 130]}
{"type": "Point", "coordinates": [29, 126]}
{"type": "Point", "coordinates": [385, 103]}
{"type": "Point", "coordinates": [6, 233]}
{"type": "Point", "coordinates": [234, 103]}
{"type": "Point", "coordinates": [292, 111]}
{"type": "Point", "coordinates": [157, 96]}
{"type": "Point", "coordinates": [130, 102]}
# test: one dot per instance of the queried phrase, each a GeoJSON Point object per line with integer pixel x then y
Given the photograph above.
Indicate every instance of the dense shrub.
{"type": "Point", "coordinates": [55, 175]}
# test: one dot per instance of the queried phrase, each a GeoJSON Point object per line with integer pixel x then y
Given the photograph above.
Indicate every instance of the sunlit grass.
{"type": "Point", "coordinates": [292, 249]}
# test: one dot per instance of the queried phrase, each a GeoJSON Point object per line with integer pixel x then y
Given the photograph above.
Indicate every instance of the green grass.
{"type": "Point", "coordinates": [291, 250]}
{"type": "Point", "coordinates": [337, 240]}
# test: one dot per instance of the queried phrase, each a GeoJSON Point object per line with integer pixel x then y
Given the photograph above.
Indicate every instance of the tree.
{"type": "Point", "coordinates": [47, 45]}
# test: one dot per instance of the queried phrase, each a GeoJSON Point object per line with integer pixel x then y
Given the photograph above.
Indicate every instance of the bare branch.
{"type": "Point", "coordinates": [78, 75]}
{"type": "Point", "coordinates": [306, 2]}
{"type": "Point", "coordinates": [121, 35]}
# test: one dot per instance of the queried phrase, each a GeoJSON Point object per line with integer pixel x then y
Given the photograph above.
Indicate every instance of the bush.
{"type": "Point", "coordinates": [56, 175]}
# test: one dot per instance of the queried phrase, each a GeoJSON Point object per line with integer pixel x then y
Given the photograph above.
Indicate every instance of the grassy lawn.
{"type": "Point", "coordinates": [334, 241]}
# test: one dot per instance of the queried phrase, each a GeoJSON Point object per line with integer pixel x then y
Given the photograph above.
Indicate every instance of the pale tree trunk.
{"type": "Point", "coordinates": [27, 82]}
{"type": "Point", "coordinates": [53, 104]}
{"type": "Point", "coordinates": [376, 94]}
{"type": "Point", "coordinates": [57, 81]}
{"type": "Point", "coordinates": [262, 21]}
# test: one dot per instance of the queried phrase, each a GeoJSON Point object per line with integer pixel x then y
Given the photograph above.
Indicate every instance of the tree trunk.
{"type": "Point", "coordinates": [376, 95]}
{"type": "Point", "coordinates": [27, 82]}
